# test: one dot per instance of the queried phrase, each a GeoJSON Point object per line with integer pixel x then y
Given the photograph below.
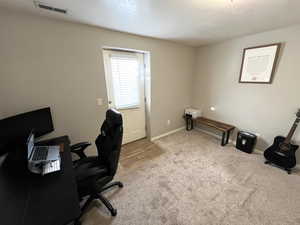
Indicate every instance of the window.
{"type": "Point", "coordinates": [125, 80]}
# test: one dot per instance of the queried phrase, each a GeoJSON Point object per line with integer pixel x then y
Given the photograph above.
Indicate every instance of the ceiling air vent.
{"type": "Point", "coordinates": [48, 7]}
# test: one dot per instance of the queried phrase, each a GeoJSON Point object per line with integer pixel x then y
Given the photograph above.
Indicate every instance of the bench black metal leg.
{"type": "Point", "coordinates": [227, 138]}
{"type": "Point", "coordinates": [189, 122]}
{"type": "Point", "coordinates": [223, 139]}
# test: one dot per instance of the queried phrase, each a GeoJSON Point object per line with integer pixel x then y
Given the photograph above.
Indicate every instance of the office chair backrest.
{"type": "Point", "coordinates": [109, 142]}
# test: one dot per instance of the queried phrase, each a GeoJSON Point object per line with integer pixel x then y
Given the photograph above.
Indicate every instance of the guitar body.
{"type": "Point", "coordinates": [283, 158]}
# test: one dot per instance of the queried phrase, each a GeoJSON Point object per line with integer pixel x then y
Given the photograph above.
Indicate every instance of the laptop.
{"type": "Point", "coordinates": [41, 158]}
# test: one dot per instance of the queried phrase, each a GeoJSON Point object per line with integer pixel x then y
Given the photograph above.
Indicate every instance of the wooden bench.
{"type": "Point", "coordinates": [220, 126]}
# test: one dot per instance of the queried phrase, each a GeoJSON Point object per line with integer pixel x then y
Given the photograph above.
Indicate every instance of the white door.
{"type": "Point", "coordinates": [124, 73]}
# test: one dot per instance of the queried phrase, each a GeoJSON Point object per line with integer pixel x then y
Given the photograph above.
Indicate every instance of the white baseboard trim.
{"type": "Point", "coordinates": [168, 133]}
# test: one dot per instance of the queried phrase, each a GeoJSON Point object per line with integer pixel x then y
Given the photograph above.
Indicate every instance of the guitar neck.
{"type": "Point", "coordinates": [292, 131]}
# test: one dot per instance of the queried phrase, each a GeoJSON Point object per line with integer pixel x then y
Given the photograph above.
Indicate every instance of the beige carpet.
{"type": "Point", "coordinates": [196, 181]}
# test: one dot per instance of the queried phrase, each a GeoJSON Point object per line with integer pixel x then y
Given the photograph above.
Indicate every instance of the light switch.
{"type": "Point", "coordinates": [99, 101]}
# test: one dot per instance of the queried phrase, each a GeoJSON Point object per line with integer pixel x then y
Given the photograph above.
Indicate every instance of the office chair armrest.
{"type": "Point", "coordinates": [79, 149]}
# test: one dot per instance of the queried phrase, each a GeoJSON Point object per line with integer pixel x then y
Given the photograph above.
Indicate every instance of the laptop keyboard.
{"type": "Point", "coordinates": [40, 153]}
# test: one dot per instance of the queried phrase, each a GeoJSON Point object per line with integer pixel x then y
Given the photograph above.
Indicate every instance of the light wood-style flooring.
{"type": "Point", "coordinates": [138, 152]}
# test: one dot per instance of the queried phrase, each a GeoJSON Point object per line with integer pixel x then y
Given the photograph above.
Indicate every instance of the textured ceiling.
{"type": "Point", "coordinates": [192, 22]}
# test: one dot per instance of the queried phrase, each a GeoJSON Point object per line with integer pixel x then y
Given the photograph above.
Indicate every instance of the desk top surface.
{"type": "Point", "coordinates": [30, 199]}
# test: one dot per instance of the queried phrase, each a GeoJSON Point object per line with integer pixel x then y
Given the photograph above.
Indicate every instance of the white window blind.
{"type": "Point", "coordinates": [125, 81]}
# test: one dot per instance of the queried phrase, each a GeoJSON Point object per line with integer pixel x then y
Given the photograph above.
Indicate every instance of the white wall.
{"type": "Point", "coordinates": [45, 62]}
{"type": "Point", "coordinates": [262, 108]}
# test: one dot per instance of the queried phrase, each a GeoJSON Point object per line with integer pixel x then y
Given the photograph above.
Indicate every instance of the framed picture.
{"type": "Point", "coordinates": [258, 64]}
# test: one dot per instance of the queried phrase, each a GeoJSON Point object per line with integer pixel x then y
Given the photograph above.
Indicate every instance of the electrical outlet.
{"type": "Point", "coordinates": [168, 122]}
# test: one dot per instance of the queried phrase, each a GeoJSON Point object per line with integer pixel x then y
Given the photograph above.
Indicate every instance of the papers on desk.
{"type": "Point", "coordinates": [51, 167]}
{"type": "Point", "coordinates": [44, 167]}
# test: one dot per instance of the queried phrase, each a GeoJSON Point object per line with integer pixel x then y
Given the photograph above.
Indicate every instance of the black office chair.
{"type": "Point", "coordinates": [95, 173]}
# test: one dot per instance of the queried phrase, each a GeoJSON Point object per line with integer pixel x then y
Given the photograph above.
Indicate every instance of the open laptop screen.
{"type": "Point", "coordinates": [30, 145]}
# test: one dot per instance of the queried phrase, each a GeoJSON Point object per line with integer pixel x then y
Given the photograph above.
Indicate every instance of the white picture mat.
{"type": "Point", "coordinates": [258, 64]}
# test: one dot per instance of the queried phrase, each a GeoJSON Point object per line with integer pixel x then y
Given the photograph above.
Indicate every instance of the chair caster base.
{"type": "Point", "coordinates": [289, 171]}
{"type": "Point", "coordinates": [113, 212]}
{"type": "Point", "coordinates": [120, 185]}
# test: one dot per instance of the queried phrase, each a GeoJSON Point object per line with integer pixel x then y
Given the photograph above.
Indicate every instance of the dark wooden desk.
{"type": "Point", "coordinates": [30, 199]}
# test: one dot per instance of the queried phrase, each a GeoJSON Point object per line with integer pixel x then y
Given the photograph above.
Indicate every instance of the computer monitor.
{"type": "Point", "coordinates": [18, 127]}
